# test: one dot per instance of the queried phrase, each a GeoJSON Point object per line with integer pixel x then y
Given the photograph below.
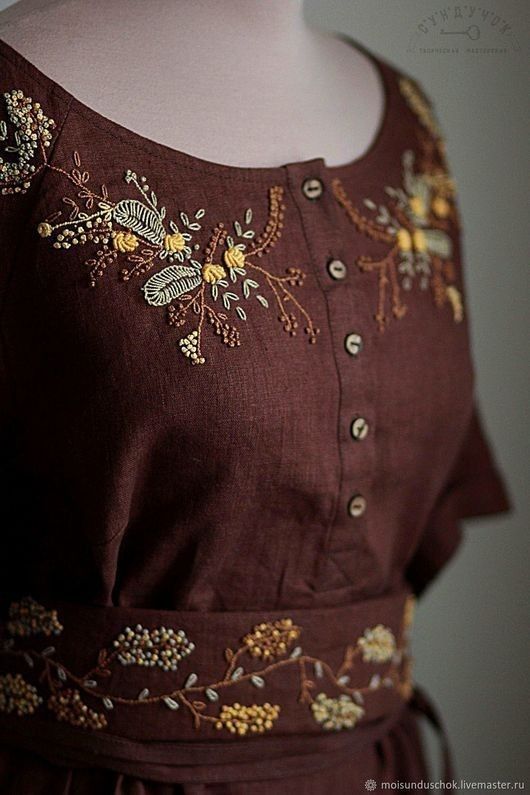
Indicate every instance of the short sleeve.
{"type": "Point", "coordinates": [475, 487]}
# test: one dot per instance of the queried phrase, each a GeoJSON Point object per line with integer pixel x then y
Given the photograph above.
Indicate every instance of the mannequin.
{"type": "Point", "coordinates": [241, 82]}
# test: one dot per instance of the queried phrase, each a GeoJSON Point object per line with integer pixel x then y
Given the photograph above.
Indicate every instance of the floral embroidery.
{"type": "Point", "coordinates": [17, 695]}
{"type": "Point", "coordinates": [414, 225]}
{"type": "Point", "coordinates": [161, 646]}
{"type": "Point", "coordinates": [270, 642]}
{"type": "Point", "coordinates": [377, 644]}
{"type": "Point", "coordinates": [336, 713]}
{"type": "Point", "coordinates": [28, 617]}
{"type": "Point", "coordinates": [204, 290]}
{"type": "Point", "coordinates": [32, 133]}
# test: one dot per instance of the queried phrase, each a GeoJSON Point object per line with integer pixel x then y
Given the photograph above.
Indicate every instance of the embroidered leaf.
{"type": "Point", "coordinates": [48, 650]}
{"type": "Point", "coordinates": [170, 283]}
{"type": "Point", "coordinates": [370, 204]}
{"type": "Point", "coordinates": [230, 242]}
{"type": "Point", "coordinates": [262, 300]}
{"type": "Point", "coordinates": [248, 216]}
{"type": "Point", "coordinates": [233, 275]}
{"type": "Point", "coordinates": [257, 680]}
{"type": "Point", "coordinates": [200, 213]}
{"type": "Point", "coordinates": [184, 218]}
{"type": "Point", "coordinates": [249, 233]}
{"type": "Point", "coordinates": [358, 697]}
{"type": "Point", "coordinates": [170, 702]}
{"type": "Point", "coordinates": [237, 673]}
{"type": "Point", "coordinates": [343, 680]}
{"type": "Point", "coordinates": [375, 681]}
{"type": "Point", "coordinates": [319, 671]}
{"type": "Point", "coordinates": [215, 292]}
{"type": "Point", "coordinates": [228, 654]}
{"type": "Point", "coordinates": [191, 680]}
{"type": "Point", "coordinates": [241, 312]}
{"type": "Point", "coordinates": [134, 215]}
{"type": "Point", "coordinates": [438, 242]}
{"type": "Point", "coordinates": [77, 159]}
{"type": "Point", "coordinates": [143, 694]}
{"type": "Point", "coordinates": [154, 200]}
{"type": "Point", "coordinates": [227, 297]}
{"type": "Point", "coordinates": [296, 652]}
{"type": "Point", "coordinates": [213, 695]}
{"type": "Point", "coordinates": [107, 703]}
{"type": "Point", "coordinates": [90, 683]}
{"type": "Point", "coordinates": [194, 226]}
{"type": "Point", "coordinates": [238, 228]}
{"type": "Point", "coordinates": [61, 673]}
{"type": "Point", "coordinates": [222, 283]}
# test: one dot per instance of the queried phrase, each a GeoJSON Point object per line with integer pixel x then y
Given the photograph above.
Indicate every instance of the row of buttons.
{"type": "Point", "coordinates": [312, 188]}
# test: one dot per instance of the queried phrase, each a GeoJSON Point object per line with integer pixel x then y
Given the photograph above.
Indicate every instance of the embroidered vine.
{"type": "Point", "coordinates": [31, 134]}
{"type": "Point", "coordinates": [202, 290]}
{"type": "Point", "coordinates": [414, 225]}
{"type": "Point", "coordinates": [270, 644]}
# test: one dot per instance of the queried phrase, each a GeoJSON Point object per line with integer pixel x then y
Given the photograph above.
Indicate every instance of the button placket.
{"type": "Point", "coordinates": [334, 254]}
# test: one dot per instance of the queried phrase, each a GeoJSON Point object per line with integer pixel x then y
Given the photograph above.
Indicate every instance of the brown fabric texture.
{"type": "Point", "coordinates": [239, 404]}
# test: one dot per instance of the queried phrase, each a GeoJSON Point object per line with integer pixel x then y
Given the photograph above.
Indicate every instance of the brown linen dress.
{"type": "Point", "coordinates": [239, 434]}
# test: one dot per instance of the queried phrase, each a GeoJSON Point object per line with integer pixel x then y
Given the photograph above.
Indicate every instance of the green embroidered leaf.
{"type": "Point", "coordinates": [438, 242]}
{"type": "Point", "coordinates": [134, 215]}
{"type": "Point", "coordinates": [170, 283]}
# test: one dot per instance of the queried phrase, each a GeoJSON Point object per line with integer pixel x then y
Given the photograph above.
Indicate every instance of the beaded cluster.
{"type": "Point", "coordinates": [82, 700]}
{"type": "Point", "coordinates": [32, 134]}
{"type": "Point", "coordinates": [161, 646]}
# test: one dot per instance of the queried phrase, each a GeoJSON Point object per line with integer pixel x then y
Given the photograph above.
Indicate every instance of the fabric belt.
{"type": "Point", "coordinates": [192, 696]}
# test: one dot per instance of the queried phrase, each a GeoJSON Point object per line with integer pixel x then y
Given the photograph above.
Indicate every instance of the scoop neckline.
{"type": "Point", "coordinates": [192, 162]}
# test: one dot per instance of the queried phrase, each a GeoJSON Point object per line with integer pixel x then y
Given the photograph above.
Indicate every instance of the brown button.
{"type": "Point", "coordinates": [359, 428]}
{"type": "Point", "coordinates": [337, 269]}
{"type": "Point", "coordinates": [357, 505]}
{"type": "Point", "coordinates": [312, 188]}
{"type": "Point", "coordinates": [353, 344]}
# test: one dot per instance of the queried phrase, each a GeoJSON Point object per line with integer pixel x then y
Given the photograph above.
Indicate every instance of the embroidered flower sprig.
{"type": "Point", "coordinates": [414, 224]}
{"type": "Point", "coordinates": [198, 290]}
{"type": "Point", "coordinates": [270, 643]}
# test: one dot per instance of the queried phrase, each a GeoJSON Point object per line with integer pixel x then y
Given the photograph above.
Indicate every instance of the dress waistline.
{"type": "Point", "coordinates": [192, 696]}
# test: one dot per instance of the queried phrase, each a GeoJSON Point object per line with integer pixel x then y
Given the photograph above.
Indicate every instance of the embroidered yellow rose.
{"type": "Point", "coordinates": [419, 241]}
{"type": "Point", "coordinates": [125, 242]}
{"type": "Point", "coordinates": [417, 205]}
{"type": "Point", "coordinates": [174, 242]}
{"type": "Point", "coordinates": [404, 240]}
{"type": "Point", "coordinates": [234, 257]}
{"type": "Point", "coordinates": [44, 229]}
{"type": "Point", "coordinates": [440, 207]}
{"type": "Point", "coordinates": [212, 273]}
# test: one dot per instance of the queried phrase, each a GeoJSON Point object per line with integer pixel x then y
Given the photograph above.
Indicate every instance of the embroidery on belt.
{"type": "Point", "coordinates": [267, 647]}
{"type": "Point", "coordinates": [414, 223]}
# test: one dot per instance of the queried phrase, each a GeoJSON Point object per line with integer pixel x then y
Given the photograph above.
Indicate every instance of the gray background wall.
{"type": "Point", "coordinates": [472, 626]}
